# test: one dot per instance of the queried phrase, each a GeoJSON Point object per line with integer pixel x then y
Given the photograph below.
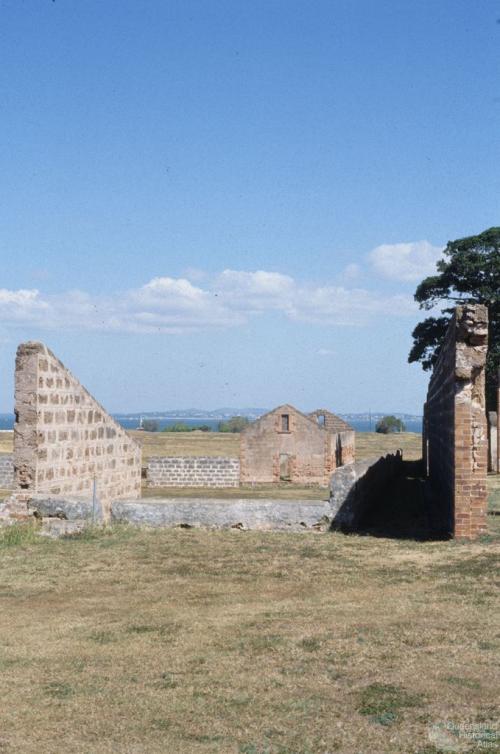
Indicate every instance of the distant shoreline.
{"type": "Point", "coordinates": [132, 423]}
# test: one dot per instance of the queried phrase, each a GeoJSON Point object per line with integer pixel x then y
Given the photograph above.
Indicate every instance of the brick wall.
{"type": "Point", "coordinates": [198, 471]}
{"type": "Point", "coordinates": [63, 439]}
{"type": "Point", "coordinates": [455, 430]}
{"type": "Point", "coordinates": [6, 472]}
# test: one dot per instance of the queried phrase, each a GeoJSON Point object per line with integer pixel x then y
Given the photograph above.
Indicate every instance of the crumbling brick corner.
{"type": "Point", "coordinates": [455, 444]}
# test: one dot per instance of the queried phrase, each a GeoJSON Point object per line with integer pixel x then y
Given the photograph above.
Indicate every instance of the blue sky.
{"type": "Point", "coordinates": [231, 203]}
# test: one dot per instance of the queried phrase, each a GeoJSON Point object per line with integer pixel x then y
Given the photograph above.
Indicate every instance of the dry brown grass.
{"type": "Point", "coordinates": [227, 444]}
{"type": "Point", "coordinates": [370, 444]}
{"type": "Point", "coordinates": [261, 491]}
{"type": "Point", "coordinates": [6, 442]}
{"type": "Point", "coordinates": [191, 642]}
{"type": "Point", "coordinates": [187, 443]}
{"type": "Point", "coordinates": [220, 444]}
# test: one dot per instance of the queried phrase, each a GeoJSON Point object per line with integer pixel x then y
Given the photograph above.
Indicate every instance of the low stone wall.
{"type": "Point", "coordinates": [196, 471]}
{"type": "Point", "coordinates": [266, 515]}
{"type": "Point", "coordinates": [6, 472]}
{"type": "Point", "coordinates": [355, 487]}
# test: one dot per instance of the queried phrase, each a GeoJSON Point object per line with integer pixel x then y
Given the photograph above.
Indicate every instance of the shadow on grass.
{"type": "Point", "coordinates": [401, 510]}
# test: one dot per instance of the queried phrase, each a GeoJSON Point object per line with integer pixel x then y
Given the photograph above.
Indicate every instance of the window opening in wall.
{"type": "Point", "coordinates": [321, 420]}
{"type": "Point", "coordinates": [285, 422]}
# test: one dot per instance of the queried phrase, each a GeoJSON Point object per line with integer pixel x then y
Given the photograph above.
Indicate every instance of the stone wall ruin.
{"type": "Point", "coordinates": [286, 445]}
{"type": "Point", "coordinates": [64, 441]}
{"type": "Point", "coordinates": [455, 441]}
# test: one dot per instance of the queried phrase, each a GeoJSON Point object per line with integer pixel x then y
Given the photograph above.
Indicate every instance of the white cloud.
{"type": "Point", "coordinates": [177, 305]}
{"type": "Point", "coordinates": [325, 352]}
{"type": "Point", "coordinates": [352, 271]}
{"type": "Point", "coordinates": [406, 262]}
{"type": "Point", "coordinates": [256, 291]}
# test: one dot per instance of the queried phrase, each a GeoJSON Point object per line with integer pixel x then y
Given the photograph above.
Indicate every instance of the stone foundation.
{"type": "Point", "coordinates": [264, 515]}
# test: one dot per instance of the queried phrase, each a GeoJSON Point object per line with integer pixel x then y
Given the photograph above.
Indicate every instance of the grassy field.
{"type": "Point", "coordinates": [6, 442]}
{"type": "Point", "coordinates": [187, 443]}
{"type": "Point", "coordinates": [227, 444]}
{"type": "Point", "coordinates": [191, 642]}
{"type": "Point", "coordinates": [278, 491]}
{"type": "Point", "coordinates": [220, 444]}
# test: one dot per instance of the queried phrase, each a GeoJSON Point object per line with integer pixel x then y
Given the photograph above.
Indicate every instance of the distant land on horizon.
{"type": "Point", "coordinates": [194, 417]}
{"type": "Point", "coordinates": [250, 413]}
{"type": "Point", "coordinates": [227, 412]}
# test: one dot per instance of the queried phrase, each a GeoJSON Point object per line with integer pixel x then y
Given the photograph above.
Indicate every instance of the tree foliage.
{"type": "Point", "coordinates": [183, 427]}
{"type": "Point", "coordinates": [468, 274]}
{"type": "Point", "coordinates": [389, 424]}
{"type": "Point", "coordinates": [234, 424]}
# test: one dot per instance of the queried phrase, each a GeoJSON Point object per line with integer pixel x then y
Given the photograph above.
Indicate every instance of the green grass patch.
{"type": "Point", "coordinates": [383, 702]}
{"type": "Point", "coordinates": [19, 535]}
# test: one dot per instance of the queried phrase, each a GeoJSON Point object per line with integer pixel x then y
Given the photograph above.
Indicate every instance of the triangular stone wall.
{"type": "Point", "coordinates": [64, 441]}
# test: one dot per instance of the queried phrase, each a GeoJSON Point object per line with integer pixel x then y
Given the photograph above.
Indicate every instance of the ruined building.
{"type": "Point", "coordinates": [289, 446]}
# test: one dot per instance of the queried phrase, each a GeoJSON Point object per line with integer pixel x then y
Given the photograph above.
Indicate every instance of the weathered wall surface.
{"type": "Point", "coordinates": [345, 447]}
{"type": "Point", "coordinates": [493, 454]}
{"type": "Point", "coordinates": [6, 472]}
{"type": "Point", "coordinates": [303, 454]}
{"type": "Point", "coordinates": [63, 439]}
{"type": "Point", "coordinates": [196, 471]}
{"type": "Point", "coordinates": [267, 515]}
{"type": "Point", "coordinates": [455, 431]}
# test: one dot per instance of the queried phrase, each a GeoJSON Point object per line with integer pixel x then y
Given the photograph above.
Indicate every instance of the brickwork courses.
{"type": "Point", "coordinates": [64, 441]}
{"type": "Point", "coordinates": [193, 471]}
{"type": "Point", "coordinates": [6, 472]}
{"type": "Point", "coordinates": [455, 429]}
